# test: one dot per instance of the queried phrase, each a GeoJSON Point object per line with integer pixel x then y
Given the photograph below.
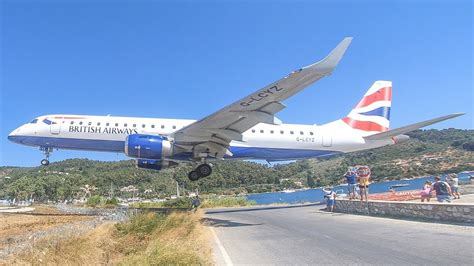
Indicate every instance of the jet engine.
{"type": "Point", "coordinates": [148, 147]}
{"type": "Point", "coordinates": [154, 164]}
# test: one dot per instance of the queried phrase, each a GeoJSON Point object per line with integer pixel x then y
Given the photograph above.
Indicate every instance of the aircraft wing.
{"type": "Point", "coordinates": [212, 134]}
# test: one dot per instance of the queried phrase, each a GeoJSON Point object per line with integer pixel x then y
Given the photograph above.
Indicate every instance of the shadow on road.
{"type": "Point", "coordinates": [224, 223]}
{"type": "Point", "coordinates": [263, 208]}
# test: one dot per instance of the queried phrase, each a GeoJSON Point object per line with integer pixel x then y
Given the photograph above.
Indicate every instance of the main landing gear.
{"type": "Point", "coordinates": [47, 151]}
{"type": "Point", "coordinates": [201, 171]}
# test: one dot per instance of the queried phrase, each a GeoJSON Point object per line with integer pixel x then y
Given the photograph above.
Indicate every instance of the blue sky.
{"type": "Point", "coordinates": [180, 59]}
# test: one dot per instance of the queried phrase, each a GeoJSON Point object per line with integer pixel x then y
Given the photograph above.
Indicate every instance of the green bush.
{"type": "Point", "coordinates": [182, 202]}
{"type": "Point", "coordinates": [227, 202]}
{"type": "Point", "coordinates": [95, 201]}
{"type": "Point", "coordinates": [174, 203]}
{"type": "Point", "coordinates": [141, 224]}
{"type": "Point", "coordinates": [111, 202]}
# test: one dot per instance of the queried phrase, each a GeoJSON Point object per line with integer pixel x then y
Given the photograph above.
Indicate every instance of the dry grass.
{"type": "Point", "coordinates": [178, 238]}
{"type": "Point", "coordinates": [94, 247]}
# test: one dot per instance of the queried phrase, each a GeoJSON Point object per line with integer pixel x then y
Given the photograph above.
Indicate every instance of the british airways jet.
{"type": "Point", "coordinates": [246, 129]}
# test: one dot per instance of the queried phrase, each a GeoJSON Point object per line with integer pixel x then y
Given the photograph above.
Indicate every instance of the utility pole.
{"type": "Point", "coordinates": [177, 189]}
{"type": "Point", "coordinates": [111, 193]}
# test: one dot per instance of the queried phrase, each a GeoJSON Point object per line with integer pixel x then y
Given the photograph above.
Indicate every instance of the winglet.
{"type": "Point", "coordinates": [328, 64]}
{"type": "Point", "coordinates": [410, 128]}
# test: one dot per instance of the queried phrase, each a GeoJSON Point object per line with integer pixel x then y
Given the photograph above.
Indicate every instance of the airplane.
{"type": "Point", "coordinates": [246, 129]}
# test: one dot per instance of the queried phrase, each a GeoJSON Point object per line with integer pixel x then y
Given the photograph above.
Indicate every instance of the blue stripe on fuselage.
{"type": "Point", "coordinates": [118, 146]}
{"type": "Point", "coordinates": [277, 153]}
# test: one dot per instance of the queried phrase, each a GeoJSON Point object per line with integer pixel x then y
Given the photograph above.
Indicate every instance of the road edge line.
{"type": "Point", "coordinates": [226, 257]}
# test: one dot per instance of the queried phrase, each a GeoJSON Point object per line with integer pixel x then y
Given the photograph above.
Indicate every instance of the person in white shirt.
{"type": "Point", "coordinates": [453, 182]}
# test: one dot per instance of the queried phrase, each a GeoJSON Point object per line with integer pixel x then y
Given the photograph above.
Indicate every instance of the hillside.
{"type": "Point", "coordinates": [427, 152]}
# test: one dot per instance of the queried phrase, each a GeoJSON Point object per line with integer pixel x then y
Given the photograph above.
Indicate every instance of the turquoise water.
{"type": "Point", "coordinates": [317, 195]}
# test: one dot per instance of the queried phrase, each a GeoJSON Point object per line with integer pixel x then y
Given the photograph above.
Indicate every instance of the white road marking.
{"type": "Point", "coordinates": [226, 257]}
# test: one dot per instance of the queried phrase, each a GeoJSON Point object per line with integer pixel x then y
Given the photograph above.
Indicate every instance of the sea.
{"type": "Point", "coordinates": [317, 194]}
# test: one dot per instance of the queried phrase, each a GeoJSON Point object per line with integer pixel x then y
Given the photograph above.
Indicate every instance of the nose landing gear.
{"type": "Point", "coordinates": [201, 171]}
{"type": "Point", "coordinates": [47, 151]}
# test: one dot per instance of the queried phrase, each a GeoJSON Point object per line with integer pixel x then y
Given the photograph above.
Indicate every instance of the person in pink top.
{"type": "Point", "coordinates": [426, 192]}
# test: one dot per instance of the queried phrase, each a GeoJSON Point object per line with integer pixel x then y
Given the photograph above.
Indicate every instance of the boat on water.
{"type": "Point", "coordinates": [398, 185]}
{"type": "Point", "coordinates": [288, 191]}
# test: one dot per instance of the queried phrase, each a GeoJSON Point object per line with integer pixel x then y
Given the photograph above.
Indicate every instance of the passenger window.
{"type": "Point", "coordinates": [80, 123]}
{"type": "Point", "coordinates": [152, 126]}
{"type": "Point", "coordinates": [90, 123]}
{"type": "Point", "coordinates": [311, 133]}
{"type": "Point", "coordinates": [261, 131]}
{"type": "Point", "coordinates": [174, 127]}
{"type": "Point", "coordinates": [253, 130]}
{"type": "Point", "coordinates": [134, 125]}
{"type": "Point", "coordinates": [301, 133]}
{"type": "Point", "coordinates": [72, 122]}
{"type": "Point", "coordinates": [271, 131]}
{"type": "Point", "coordinates": [125, 125]}
{"type": "Point", "coordinates": [116, 124]}
{"type": "Point", "coordinates": [107, 124]}
{"type": "Point", "coordinates": [292, 132]}
{"type": "Point", "coordinates": [143, 126]}
{"type": "Point", "coordinates": [98, 123]}
{"type": "Point", "coordinates": [162, 126]}
{"type": "Point", "coordinates": [282, 132]}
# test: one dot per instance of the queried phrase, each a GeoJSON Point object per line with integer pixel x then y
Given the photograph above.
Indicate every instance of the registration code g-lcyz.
{"type": "Point", "coordinates": [304, 139]}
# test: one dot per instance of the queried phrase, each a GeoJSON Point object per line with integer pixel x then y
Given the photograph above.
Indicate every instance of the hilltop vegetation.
{"type": "Point", "coordinates": [427, 152]}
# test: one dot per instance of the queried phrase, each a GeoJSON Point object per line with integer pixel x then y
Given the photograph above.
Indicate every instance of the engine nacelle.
{"type": "Point", "coordinates": [154, 164]}
{"type": "Point", "coordinates": [148, 147]}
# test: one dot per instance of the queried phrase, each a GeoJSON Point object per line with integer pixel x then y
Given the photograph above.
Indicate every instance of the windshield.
{"type": "Point", "coordinates": [34, 121]}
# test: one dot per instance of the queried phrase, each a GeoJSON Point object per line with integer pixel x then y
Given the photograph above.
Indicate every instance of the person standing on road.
{"type": "Point", "coordinates": [195, 203]}
{"type": "Point", "coordinates": [426, 192]}
{"type": "Point", "coordinates": [443, 191]}
{"type": "Point", "coordinates": [330, 200]}
{"type": "Point", "coordinates": [453, 182]}
{"type": "Point", "coordinates": [351, 178]}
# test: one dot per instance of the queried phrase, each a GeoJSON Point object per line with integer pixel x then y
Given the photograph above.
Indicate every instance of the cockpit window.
{"type": "Point", "coordinates": [34, 121]}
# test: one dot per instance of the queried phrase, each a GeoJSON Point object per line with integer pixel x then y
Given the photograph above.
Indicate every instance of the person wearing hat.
{"type": "Point", "coordinates": [351, 178]}
{"type": "Point", "coordinates": [453, 182]}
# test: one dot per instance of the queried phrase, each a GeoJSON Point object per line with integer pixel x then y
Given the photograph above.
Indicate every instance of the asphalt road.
{"type": "Point", "coordinates": [307, 235]}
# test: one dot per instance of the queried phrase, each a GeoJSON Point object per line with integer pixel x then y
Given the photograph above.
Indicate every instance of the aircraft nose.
{"type": "Point", "coordinates": [13, 136]}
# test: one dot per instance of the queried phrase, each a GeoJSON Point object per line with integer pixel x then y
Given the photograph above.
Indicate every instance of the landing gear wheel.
{"type": "Point", "coordinates": [47, 151]}
{"type": "Point", "coordinates": [204, 170]}
{"type": "Point", "coordinates": [193, 176]}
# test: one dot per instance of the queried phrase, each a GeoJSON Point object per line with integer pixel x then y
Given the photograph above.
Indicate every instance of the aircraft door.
{"type": "Point", "coordinates": [327, 138]}
{"type": "Point", "coordinates": [55, 127]}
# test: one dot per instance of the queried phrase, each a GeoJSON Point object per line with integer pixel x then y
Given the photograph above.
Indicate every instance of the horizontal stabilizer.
{"type": "Point", "coordinates": [410, 128]}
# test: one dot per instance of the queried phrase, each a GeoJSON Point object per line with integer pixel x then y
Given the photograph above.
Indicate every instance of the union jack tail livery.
{"type": "Point", "coordinates": [372, 114]}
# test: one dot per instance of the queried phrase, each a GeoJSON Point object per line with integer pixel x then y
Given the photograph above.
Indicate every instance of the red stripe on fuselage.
{"type": "Point", "coordinates": [68, 117]}
{"type": "Point", "coordinates": [384, 94]}
{"type": "Point", "coordinates": [364, 125]}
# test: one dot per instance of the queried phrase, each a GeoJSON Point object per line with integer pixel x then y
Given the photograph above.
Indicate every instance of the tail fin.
{"type": "Point", "coordinates": [372, 114]}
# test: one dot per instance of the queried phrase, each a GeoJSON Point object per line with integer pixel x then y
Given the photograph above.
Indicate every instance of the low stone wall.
{"type": "Point", "coordinates": [448, 212]}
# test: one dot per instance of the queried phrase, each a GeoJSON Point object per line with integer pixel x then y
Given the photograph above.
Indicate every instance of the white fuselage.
{"type": "Point", "coordinates": [263, 141]}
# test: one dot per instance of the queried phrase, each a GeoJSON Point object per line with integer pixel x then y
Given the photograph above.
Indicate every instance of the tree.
{"type": "Point", "coordinates": [310, 179]}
